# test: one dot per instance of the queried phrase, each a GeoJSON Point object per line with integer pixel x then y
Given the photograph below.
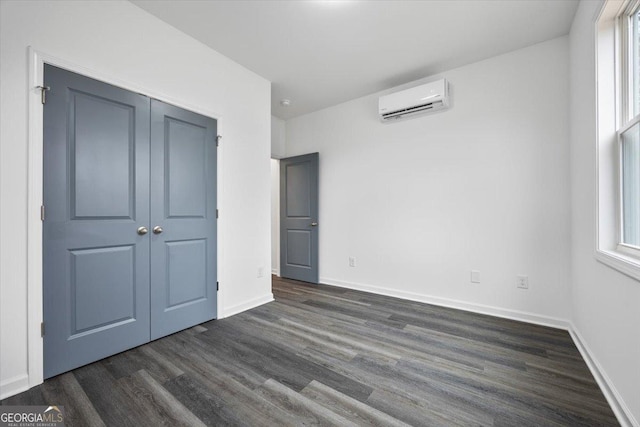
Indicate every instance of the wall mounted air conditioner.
{"type": "Point", "coordinates": [426, 98]}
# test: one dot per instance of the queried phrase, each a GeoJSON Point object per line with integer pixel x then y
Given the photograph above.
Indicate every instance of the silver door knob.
{"type": "Point", "coordinates": [142, 230]}
{"type": "Point", "coordinates": [314, 224]}
{"type": "Point", "coordinates": [157, 229]}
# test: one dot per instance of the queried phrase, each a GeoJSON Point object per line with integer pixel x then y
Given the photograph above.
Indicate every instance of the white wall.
{"type": "Point", "coordinates": [483, 186]}
{"type": "Point", "coordinates": [606, 310]}
{"type": "Point", "coordinates": [118, 39]}
{"type": "Point", "coordinates": [277, 138]}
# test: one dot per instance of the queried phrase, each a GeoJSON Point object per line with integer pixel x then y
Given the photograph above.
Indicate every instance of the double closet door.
{"type": "Point", "coordinates": [129, 232]}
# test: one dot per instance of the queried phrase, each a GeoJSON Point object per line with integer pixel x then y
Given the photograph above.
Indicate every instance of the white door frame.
{"type": "Point", "coordinates": [37, 59]}
{"type": "Point", "coordinates": [275, 224]}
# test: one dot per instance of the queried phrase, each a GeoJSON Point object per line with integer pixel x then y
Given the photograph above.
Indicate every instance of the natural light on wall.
{"type": "Point", "coordinates": [618, 147]}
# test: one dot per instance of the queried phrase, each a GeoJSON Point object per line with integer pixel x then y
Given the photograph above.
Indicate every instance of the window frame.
{"type": "Point", "coordinates": [624, 67]}
{"type": "Point", "coordinates": [626, 104]}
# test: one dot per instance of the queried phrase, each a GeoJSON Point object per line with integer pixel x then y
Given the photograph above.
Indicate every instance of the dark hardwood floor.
{"type": "Point", "coordinates": [321, 355]}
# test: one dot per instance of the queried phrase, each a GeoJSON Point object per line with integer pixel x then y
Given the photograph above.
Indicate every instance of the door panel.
{"type": "Point", "coordinates": [299, 217]}
{"type": "Point", "coordinates": [298, 196]}
{"type": "Point", "coordinates": [96, 194]}
{"type": "Point", "coordinates": [299, 248]}
{"type": "Point", "coordinates": [102, 288]}
{"type": "Point", "coordinates": [186, 163]}
{"type": "Point", "coordinates": [102, 144]}
{"type": "Point", "coordinates": [183, 203]}
{"type": "Point", "coordinates": [186, 265]}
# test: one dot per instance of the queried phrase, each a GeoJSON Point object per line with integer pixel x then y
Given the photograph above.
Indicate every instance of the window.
{"type": "Point", "coordinates": [629, 130]}
{"type": "Point", "coordinates": [617, 135]}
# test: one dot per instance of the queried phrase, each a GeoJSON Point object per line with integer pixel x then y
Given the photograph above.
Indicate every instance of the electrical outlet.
{"type": "Point", "coordinates": [475, 276]}
{"type": "Point", "coordinates": [522, 282]}
{"type": "Point", "coordinates": [260, 272]}
{"type": "Point", "coordinates": [352, 261]}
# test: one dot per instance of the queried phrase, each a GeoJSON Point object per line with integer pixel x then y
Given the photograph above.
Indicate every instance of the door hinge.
{"type": "Point", "coordinates": [218, 138]}
{"type": "Point", "coordinates": [217, 286]}
{"type": "Point", "coordinates": [41, 212]}
{"type": "Point", "coordinates": [43, 93]}
{"type": "Point", "coordinates": [42, 329]}
{"type": "Point", "coordinates": [217, 214]}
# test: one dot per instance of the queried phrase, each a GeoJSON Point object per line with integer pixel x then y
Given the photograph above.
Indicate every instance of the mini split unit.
{"type": "Point", "coordinates": [426, 98]}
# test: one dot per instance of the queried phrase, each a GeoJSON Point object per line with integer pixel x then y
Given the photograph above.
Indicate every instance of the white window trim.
{"type": "Point", "coordinates": [630, 250]}
{"type": "Point", "coordinates": [610, 110]}
{"type": "Point", "coordinates": [624, 248]}
{"type": "Point", "coordinates": [626, 67]}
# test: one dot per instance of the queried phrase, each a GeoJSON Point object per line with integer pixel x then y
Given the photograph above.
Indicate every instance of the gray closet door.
{"type": "Point", "coordinates": [183, 217]}
{"type": "Point", "coordinates": [129, 240]}
{"type": "Point", "coordinates": [96, 196]}
{"type": "Point", "coordinates": [299, 217]}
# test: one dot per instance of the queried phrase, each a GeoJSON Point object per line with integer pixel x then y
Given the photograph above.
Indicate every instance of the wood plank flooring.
{"type": "Point", "coordinates": [321, 355]}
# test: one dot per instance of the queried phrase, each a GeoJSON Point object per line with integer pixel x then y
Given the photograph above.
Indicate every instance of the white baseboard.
{"type": "Point", "coordinates": [521, 316]}
{"type": "Point", "coordinates": [247, 305]}
{"type": "Point", "coordinates": [14, 386]}
{"type": "Point", "coordinates": [275, 272]}
{"type": "Point", "coordinates": [619, 407]}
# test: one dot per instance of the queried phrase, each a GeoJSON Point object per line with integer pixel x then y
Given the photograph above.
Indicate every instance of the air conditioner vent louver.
{"type": "Point", "coordinates": [413, 110]}
{"type": "Point", "coordinates": [413, 102]}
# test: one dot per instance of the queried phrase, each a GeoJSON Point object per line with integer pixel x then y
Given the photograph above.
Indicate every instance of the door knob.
{"type": "Point", "coordinates": [157, 229]}
{"type": "Point", "coordinates": [314, 224]}
{"type": "Point", "coordinates": [142, 230]}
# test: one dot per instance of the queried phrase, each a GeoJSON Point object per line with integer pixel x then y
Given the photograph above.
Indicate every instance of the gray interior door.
{"type": "Point", "coordinates": [183, 206]}
{"type": "Point", "coordinates": [299, 217]}
{"type": "Point", "coordinates": [96, 196]}
{"type": "Point", "coordinates": [129, 237]}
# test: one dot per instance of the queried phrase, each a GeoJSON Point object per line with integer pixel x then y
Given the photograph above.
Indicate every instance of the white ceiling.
{"type": "Point", "coordinates": [321, 53]}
